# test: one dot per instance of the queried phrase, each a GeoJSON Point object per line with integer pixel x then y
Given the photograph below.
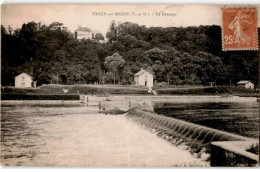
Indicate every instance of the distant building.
{"type": "Point", "coordinates": [210, 84]}
{"type": "Point", "coordinates": [144, 77]}
{"type": "Point", "coordinates": [246, 84]}
{"type": "Point", "coordinates": [23, 80]}
{"type": "Point", "coordinates": [83, 33]}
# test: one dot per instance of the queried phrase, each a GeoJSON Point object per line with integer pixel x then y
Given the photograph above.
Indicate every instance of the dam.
{"type": "Point", "coordinates": [227, 146]}
{"type": "Point", "coordinates": [195, 138]}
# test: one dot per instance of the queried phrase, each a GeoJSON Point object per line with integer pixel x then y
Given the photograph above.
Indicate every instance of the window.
{"type": "Point", "coordinates": [145, 75]}
{"type": "Point", "coordinates": [23, 79]}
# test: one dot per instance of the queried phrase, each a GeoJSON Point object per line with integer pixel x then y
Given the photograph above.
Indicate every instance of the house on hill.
{"type": "Point", "coordinates": [144, 78]}
{"type": "Point", "coordinates": [23, 80]}
{"type": "Point", "coordinates": [83, 33]}
{"type": "Point", "coordinates": [246, 84]}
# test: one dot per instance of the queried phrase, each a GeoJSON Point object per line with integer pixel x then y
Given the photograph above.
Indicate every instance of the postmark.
{"type": "Point", "coordinates": [239, 28]}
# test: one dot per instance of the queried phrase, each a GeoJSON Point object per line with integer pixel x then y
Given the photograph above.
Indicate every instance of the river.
{"type": "Point", "coordinates": [240, 118]}
{"type": "Point", "coordinates": [55, 135]}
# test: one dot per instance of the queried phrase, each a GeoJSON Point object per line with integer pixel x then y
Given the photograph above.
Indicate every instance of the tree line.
{"type": "Point", "coordinates": [175, 55]}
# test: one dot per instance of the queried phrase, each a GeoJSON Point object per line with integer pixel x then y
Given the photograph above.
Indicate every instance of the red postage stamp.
{"type": "Point", "coordinates": [239, 28]}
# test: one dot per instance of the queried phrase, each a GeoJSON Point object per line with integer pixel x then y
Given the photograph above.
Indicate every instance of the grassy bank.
{"type": "Point", "coordinates": [219, 90]}
{"type": "Point", "coordinates": [7, 96]}
{"type": "Point", "coordinates": [55, 92]}
{"type": "Point", "coordinates": [81, 89]}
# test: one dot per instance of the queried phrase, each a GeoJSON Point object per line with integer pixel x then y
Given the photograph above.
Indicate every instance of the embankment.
{"type": "Point", "coordinates": [7, 96]}
{"type": "Point", "coordinates": [54, 89]}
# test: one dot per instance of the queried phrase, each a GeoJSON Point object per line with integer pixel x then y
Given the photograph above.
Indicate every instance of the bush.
{"type": "Point", "coordinates": [18, 90]}
{"type": "Point", "coordinates": [187, 82]}
{"type": "Point", "coordinates": [54, 89]}
{"type": "Point", "coordinates": [160, 85]}
{"type": "Point", "coordinates": [38, 97]}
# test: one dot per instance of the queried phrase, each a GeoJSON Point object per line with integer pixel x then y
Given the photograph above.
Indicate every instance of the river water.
{"type": "Point", "coordinates": [75, 135]}
{"type": "Point", "coordinates": [56, 135]}
{"type": "Point", "coordinates": [238, 117]}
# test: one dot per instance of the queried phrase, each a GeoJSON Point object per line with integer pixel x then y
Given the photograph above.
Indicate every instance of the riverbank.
{"type": "Point", "coordinates": [62, 136]}
{"type": "Point", "coordinates": [72, 92]}
{"type": "Point", "coordinates": [126, 101]}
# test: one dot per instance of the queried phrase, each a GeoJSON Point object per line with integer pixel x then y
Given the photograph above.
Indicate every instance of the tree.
{"type": "Point", "coordinates": [115, 64]}
{"type": "Point", "coordinates": [55, 26]}
{"type": "Point", "coordinates": [112, 33]}
{"type": "Point", "coordinates": [211, 67]}
{"type": "Point", "coordinates": [99, 37]}
{"type": "Point", "coordinates": [3, 30]}
{"type": "Point", "coordinates": [190, 55]}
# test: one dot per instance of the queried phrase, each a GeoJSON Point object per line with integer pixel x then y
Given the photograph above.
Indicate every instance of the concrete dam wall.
{"type": "Point", "coordinates": [195, 138]}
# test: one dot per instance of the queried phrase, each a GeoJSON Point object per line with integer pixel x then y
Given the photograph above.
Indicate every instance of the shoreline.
{"type": "Point", "coordinates": [156, 98]}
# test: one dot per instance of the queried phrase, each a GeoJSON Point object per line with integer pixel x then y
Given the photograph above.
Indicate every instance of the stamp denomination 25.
{"type": "Point", "coordinates": [239, 28]}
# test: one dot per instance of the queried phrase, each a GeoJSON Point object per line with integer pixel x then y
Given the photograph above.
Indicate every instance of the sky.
{"type": "Point", "coordinates": [73, 16]}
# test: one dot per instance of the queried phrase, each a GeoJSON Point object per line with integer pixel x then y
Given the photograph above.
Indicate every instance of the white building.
{"type": "Point", "coordinates": [246, 84]}
{"type": "Point", "coordinates": [144, 77]}
{"type": "Point", "coordinates": [83, 33]}
{"type": "Point", "coordinates": [23, 80]}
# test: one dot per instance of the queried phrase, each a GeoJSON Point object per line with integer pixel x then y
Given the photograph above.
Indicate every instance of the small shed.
{"type": "Point", "coordinates": [144, 78]}
{"type": "Point", "coordinates": [211, 84]}
{"type": "Point", "coordinates": [246, 84]}
{"type": "Point", "coordinates": [23, 80]}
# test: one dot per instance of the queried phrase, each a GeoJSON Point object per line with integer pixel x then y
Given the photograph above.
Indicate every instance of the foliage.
{"type": "Point", "coordinates": [115, 64]}
{"type": "Point", "coordinates": [176, 56]}
{"type": "Point", "coordinates": [55, 89]}
{"type": "Point", "coordinates": [99, 37]}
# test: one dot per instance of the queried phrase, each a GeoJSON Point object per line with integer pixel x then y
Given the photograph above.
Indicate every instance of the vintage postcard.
{"type": "Point", "coordinates": [130, 85]}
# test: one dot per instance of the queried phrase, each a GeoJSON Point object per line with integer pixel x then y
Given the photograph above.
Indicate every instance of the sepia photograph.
{"type": "Point", "coordinates": [130, 85]}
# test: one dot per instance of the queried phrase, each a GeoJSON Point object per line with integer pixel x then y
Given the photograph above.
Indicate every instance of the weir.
{"type": "Point", "coordinates": [198, 139]}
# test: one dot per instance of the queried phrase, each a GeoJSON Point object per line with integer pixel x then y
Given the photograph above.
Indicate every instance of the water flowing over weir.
{"type": "Point", "coordinates": [195, 138]}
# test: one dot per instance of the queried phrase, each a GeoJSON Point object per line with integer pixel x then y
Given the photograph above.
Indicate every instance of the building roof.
{"type": "Point", "coordinates": [243, 82]}
{"type": "Point", "coordinates": [23, 73]}
{"type": "Point", "coordinates": [83, 29]}
{"type": "Point", "coordinates": [141, 72]}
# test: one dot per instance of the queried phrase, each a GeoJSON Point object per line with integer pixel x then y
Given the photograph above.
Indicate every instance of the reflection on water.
{"type": "Point", "coordinates": [236, 117]}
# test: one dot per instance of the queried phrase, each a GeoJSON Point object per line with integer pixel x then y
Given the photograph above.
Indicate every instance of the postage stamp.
{"type": "Point", "coordinates": [239, 28]}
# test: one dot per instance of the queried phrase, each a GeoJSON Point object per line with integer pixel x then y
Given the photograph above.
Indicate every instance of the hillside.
{"type": "Point", "coordinates": [176, 56]}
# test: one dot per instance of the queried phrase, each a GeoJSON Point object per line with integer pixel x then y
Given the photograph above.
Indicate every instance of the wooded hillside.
{"type": "Point", "coordinates": [176, 56]}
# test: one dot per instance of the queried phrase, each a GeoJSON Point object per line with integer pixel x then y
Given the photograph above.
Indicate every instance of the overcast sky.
{"type": "Point", "coordinates": [74, 15]}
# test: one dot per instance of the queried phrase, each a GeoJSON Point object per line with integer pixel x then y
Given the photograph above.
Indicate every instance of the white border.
{"type": "Point", "coordinates": [134, 1]}
{"type": "Point", "coordinates": [54, 169]}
